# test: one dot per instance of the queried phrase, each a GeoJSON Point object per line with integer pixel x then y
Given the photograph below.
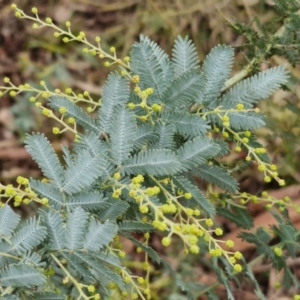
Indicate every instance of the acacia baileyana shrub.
{"type": "Point", "coordinates": [160, 123]}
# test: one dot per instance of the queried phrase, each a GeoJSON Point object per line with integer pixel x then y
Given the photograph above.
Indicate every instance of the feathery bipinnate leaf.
{"type": "Point", "coordinates": [85, 170]}
{"type": "Point", "coordinates": [115, 92]}
{"type": "Point", "coordinates": [113, 211]}
{"type": "Point", "coordinates": [56, 229]}
{"type": "Point", "coordinates": [184, 56]}
{"type": "Point", "coordinates": [216, 68]}
{"type": "Point", "coordinates": [216, 176]}
{"type": "Point", "coordinates": [135, 226]}
{"type": "Point", "coordinates": [152, 254]}
{"type": "Point", "coordinates": [42, 152]}
{"type": "Point", "coordinates": [166, 137]}
{"type": "Point", "coordinates": [88, 201]}
{"type": "Point", "coordinates": [21, 275]}
{"type": "Point", "coordinates": [184, 90]}
{"type": "Point", "coordinates": [91, 141]}
{"type": "Point", "coordinates": [242, 121]}
{"type": "Point", "coordinates": [257, 87]}
{"type": "Point", "coordinates": [153, 162]}
{"type": "Point", "coordinates": [122, 134]}
{"type": "Point", "coordinates": [185, 123]}
{"type": "Point", "coordinates": [48, 296]}
{"type": "Point", "coordinates": [146, 65]}
{"type": "Point", "coordinates": [100, 270]}
{"type": "Point", "coordinates": [76, 228]}
{"type": "Point", "coordinates": [99, 235]}
{"type": "Point", "coordinates": [74, 111]}
{"type": "Point", "coordinates": [145, 136]}
{"type": "Point", "coordinates": [197, 195]}
{"type": "Point", "coordinates": [45, 190]}
{"type": "Point", "coordinates": [195, 152]}
{"type": "Point", "coordinates": [8, 220]}
{"type": "Point", "coordinates": [239, 216]}
{"type": "Point", "coordinates": [29, 235]}
{"type": "Point", "coordinates": [163, 59]}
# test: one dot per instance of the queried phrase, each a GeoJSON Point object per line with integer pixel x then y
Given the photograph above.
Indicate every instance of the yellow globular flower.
{"type": "Point", "coordinates": [141, 280]}
{"type": "Point", "coordinates": [209, 222]}
{"type": "Point", "coordinates": [248, 158]}
{"type": "Point", "coordinates": [112, 49]}
{"type": "Point", "coordinates": [240, 106]}
{"type": "Point", "coordinates": [147, 235]}
{"type": "Point", "coordinates": [91, 288]}
{"type": "Point", "coordinates": [97, 39]}
{"type": "Point", "coordinates": [55, 130]}
{"type": "Point", "coordinates": [122, 254]}
{"type": "Point", "coordinates": [229, 243]}
{"type": "Point", "coordinates": [68, 24]}
{"type": "Point", "coordinates": [12, 93]}
{"type": "Point", "coordinates": [134, 296]}
{"type": "Point", "coordinates": [68, 91]}
{"type": "Point", "coordinates": [106, 64]}
{"type": "Point", "coordinates": [278, 251]}
{"type": "Point", "coordinates": [97, 297]}
{"type": "Point", "coordinates": [127, 59]}
{"type": "Point", "coordinates": [232, 259]}
{"type": "Point", "coordinates": [81, 33]}
{"type": "Point", "coordinates": [56, 34]}
{"type": "Point", "coordinates": [156, 107]}
{"type": "Point", "coordinates": [262, 168]}
{"type": "Point", "coordinates": [62, 110]}
{"type": "Point", "coordinates": [44, 201]}
{"type": "Point", "coordinates": [117, 176]}
{"type": "Point", "coordinates": [18, 14]}
{"type": "Point", "coordinates": [189, 212]}
{"type": "Point", "coordinates": [247, 133]}
{"type": "Point", "coordinates": [219, 231]}
{"type": "Point", "coordinates": [188, 196]}
{"type": "Point", "coordinates": [139, 249]}
{"type": "Point", "coordinates": [281, 182]}
{"type": "Point", "coordinates": [13, 7]}
{"type": "Point", "coordinates": [225, 119]}
{"type": "Point", "coordinates": [193, 240]}
{"type": "Point", "coordinates": [194, 249]}
{"type": "Point", "coordinates": [46, 112]}
{"type": "Point", "coordinates": [131, 106]}
{"type": "Point", "coordinates": [48, 20]}
{"type": "Point", "coordinates": [238, 149]}
{"type": "Point", "coordinates": [71, 121]}
{"type": "Point", "coordinates": [34, 10]}
{"type": "Point", "coordinates": [144, 209]}
{"type": "Point", "coordinates": [116, 194]}
{"type": "Point", "coordinates": [138, 179]}
{"type": "Point", "coordinates": [238, 268]}
{"type": "Point", "coordinates": [225, 135]}
{"type": "Point", "coordinates": [65, 39]}
{"type": "Point", "coordinates": [238, 255]}
{"type": "Point", "coordinates": [267, 179]}
{"type": "Point", "coordinates": [35, 26]}
{"type": "Point", "coordinates": [135, 79]}
{"type": "Point", "coordinates": [149, 91]}
{"type": "Point", "coordinates": [197, 212]}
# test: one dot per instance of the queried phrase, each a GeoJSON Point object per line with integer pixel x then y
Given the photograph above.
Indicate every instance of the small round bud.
{"type": "Point", "coordinates": [13, 7]}
{"type": "Point", "coordinates": [34, 10]}
{"type": "Point", "coordinates": [166, 241]}
{"type": "Point", "coordinates": [127, 59]}
{"type": "Point", "coordinates": [238, 268]}
{"type": "Point", "coordinates": [48, 20]}
{"type": "Point", "coordinates": [65, 39]}
{"type": "Point", "coordinates": [278, 251]}
{"type": "Point", "coordinates": [97, 39]}
{"type": "Point", "coordinates": [6, 80]}
{"type": "Point", "coordinates": [107, 64]}
{"type": "Point", "coordinates": [56, 34]}
{"type": "Point", "coordinates": [55, 130]}
{"type": "Point", "coordinates": [112, 49]}
{"type": "Point", "coordinates": [68, 24]}
{"type": "Point", "coordinates": [35, 26]}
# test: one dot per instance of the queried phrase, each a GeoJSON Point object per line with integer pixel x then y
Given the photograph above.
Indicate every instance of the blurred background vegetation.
{"type": "Point", "coordinates": [29, 55]}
